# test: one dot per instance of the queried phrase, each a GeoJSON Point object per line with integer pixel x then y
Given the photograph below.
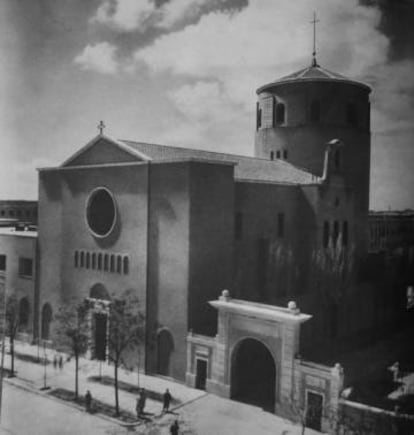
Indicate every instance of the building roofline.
{"type": "Point", "coordinates": [293, 81]}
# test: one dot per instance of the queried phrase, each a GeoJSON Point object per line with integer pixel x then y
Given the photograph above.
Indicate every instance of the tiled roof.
{"type": "Point", "coordinates": [313, 73]}
{"type": "Point", "coordinates": [246, 168]}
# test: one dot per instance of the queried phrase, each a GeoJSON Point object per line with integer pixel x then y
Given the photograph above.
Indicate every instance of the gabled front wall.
{"type": "Point", "coordinates": [63, 231]}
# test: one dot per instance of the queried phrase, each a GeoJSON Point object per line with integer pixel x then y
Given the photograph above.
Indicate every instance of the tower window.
{"type": "Point", "coordinates": [278, 154]}
{"type": "Point", "coordinates": [325, 234]}
{"type": "Point", "coordinates": [119, 264]}
{"type": "Point", "coordinates": [272, 155]}
{"type": "Point", "coordinates": [280, 113]}
{"type": "Point", "coordinates": [351, 114]}
{"type": "Point", "coordinates": [285, 154]}
{"type": "Point", "coordinates": [87, 260]}
{"type": "Point", "coordinates": [335, 232]}
{"type": "Point", "coordinates": [315, 111]}
{"type": "Point", "coordinates": [258, 116]}
{"type": "Point", "coordinates": [93, 260]}
{"type": "Point", "coordinates": [2, 263]}
{"type": "Point", "coordinates": [280, 224]}
{"type": "Point", "coordinates": [82, 259]}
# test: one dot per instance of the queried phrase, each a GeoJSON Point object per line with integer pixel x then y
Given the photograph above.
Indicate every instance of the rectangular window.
{"type": "Point", "coordinates": [267, 114]}
{"type": "Point", "coordinates": [278, 154]}
{"type": "Point", "coordinates": [25, 266]}
{"type": "Point", "coordinates": [258, 116]}
{"type": "Point", "coordinates": [285, 154]}
{"type": "Point", "coordinates": [280, 224]}
{"type": "Point", "coordinates": [335, 232]}
{"type": "Point", "coordinates": [2, 263]}
{"type": "Point", "coordinates": [238, 226]}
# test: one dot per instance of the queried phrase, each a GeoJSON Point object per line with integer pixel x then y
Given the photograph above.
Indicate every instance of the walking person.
{"type": "Point", "coordinates": [55, 361]}
{"type": "Point", "coordinates": [138, 406]}
{"type": "Point", "coordinates": [60, 362]}
{"type": "Point", "coordinates": [143, 398]}
{"type": "Point", "coordinates": [88, 401]}
{"type": "Point", "coordinates": [174, 428]}
{"type": "Point", "coordinates": [166, 400]}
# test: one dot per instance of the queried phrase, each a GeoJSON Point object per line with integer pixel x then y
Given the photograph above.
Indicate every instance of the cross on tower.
{"type": "Point", "coordinates": [314, 21]}
{"type": "Point", "coordinates": [101, 127]}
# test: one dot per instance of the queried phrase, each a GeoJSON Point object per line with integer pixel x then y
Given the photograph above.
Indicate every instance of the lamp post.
{"type": "Point", "coordinates": [45, 387]}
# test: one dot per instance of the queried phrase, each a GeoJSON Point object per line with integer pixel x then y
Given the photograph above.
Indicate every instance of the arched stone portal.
{"type": "Point", "coordinates": [253, 374]}
{"type": "Point", "coordinates": [165, 347]}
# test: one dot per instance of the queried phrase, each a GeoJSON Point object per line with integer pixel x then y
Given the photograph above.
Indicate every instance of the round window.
{"type": "Point", "coordinates": [101, 212]}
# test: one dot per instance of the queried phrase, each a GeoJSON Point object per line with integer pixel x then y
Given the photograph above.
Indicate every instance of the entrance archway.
{"type": "Point", "coordinates": [46, 319]}
{"type": "Point", "coordinates": [99, 295]}
{"type": "Point", "coordinates": [165, 347]}
{"type": "Point", "coordinates": [253, 374]}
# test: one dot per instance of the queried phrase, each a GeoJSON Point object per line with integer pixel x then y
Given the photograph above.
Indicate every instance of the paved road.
{"type": "Point", "coordinates": [26, 413]}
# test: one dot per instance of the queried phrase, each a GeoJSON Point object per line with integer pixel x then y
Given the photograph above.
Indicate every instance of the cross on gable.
{"type": "Point", "coordinates": [101, 127]}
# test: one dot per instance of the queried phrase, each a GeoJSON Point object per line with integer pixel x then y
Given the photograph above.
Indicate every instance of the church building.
{"type": "Point", "coordinates": [178, 226]}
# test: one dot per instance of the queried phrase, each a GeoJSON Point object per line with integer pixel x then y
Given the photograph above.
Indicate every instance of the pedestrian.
{"type": "Point", "coordinates": [138, 407]}
{"type": "Point", "coordinates": [55, 361]}
{"type": "Point", "coordinates": [174, 428]}
{"type": "Point", "coordinates": [166, 400]}
{"type": "Point", "coordinates": [60, 362]}
{"type": "Point", "coordinates": [143, 399]}
{"type": "Point", "coordinates": [88, 401]}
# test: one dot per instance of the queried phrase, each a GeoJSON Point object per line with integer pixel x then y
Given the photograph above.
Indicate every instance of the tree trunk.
{"type": "Point", "coordinates": [76, 376]}
{"type": "Point", "coordinates": [12, 356]}
{"type": "Point", "coordinates": [116, 388]}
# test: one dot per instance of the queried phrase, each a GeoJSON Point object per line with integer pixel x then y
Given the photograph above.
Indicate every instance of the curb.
{"type": "Point", "coordinates": [21, 384]}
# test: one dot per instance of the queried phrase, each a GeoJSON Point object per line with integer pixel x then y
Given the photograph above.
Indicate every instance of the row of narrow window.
{"type": "Point", "coordinates": [98, 261]}
{"type": "Point", "coordinates": [19, 213]}
{"type": "Point", "coordinates": [334, 231]}
{"type": "Point", "coordinates": [271, 113]}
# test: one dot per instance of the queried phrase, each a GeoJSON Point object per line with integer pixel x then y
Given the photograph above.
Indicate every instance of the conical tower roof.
{"type": "Point", "coordinates": [313, 73]}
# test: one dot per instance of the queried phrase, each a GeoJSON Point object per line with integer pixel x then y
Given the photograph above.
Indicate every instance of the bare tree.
{"type": "Point", "coordinates": [126, 332]}
{"type": "Point", "coordinates": [71, 332]}
{"type": "Point", "coordinates": [12, 324]}
{"type": "Point", "coordinates": [332, 271]}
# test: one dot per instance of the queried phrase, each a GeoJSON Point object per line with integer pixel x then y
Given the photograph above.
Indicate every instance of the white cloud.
{"type": "Point", "coordinates": [99, 57]}
{"type": "Point", "coordinates": [125, 14]}
{"type": "Point", "coordinates": [139, 15]}
{"type": "Point", "coordinates": [239, 52]}
{"type": "Point", "coordinates": [268, 39]}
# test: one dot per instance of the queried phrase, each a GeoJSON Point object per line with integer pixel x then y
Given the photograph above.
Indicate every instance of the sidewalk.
{"type": "Point", "coordinates": [198, 412]}
{"type": "Point", "coordinates": [32, 374]}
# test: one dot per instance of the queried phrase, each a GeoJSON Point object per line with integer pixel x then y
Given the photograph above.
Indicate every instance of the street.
{"type": "Point", "coordinates": [29, 413]}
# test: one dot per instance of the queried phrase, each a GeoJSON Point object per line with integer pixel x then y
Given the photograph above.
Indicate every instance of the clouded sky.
{"type": "Point", "coordinates": [184, 72]}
